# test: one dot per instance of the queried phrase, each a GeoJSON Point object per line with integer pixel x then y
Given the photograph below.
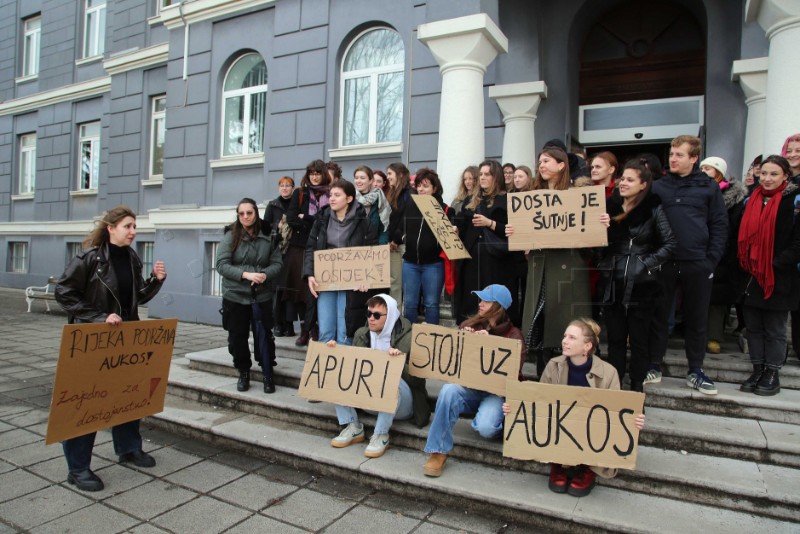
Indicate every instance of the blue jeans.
{"type": "Point", "coordinates": [405, 410]}
{"type": "Point", "coordinates": [331, 306]}
{"type": "Point", "coordinates": [455, 400]}
{"type": "Point", "coordinates": [78, 450]}
{"type": "Point", "coordinates": [427, 278]}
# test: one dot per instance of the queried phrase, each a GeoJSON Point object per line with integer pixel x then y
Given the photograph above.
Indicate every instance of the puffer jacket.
{"type": "Point", "coordinates": [88, 289]}
{"type": "Point", "coordinates": [637, 246]}
{"type": "Point", "coordinates": [401, 340]}
{"type": "Point", "coordinates": [255, 255]}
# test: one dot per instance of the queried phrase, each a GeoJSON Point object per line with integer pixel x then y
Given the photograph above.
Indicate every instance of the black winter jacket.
{"type": "Point", "coordinates": [637, 246]}
{"type": "Point", "coordinates": [786, 255]}
{"type": "Point", "coordinates": [398, 214]}
{"type": "Point", "coordinates": [301, 227]}
{"type": "Point", "coordinates": [697, 215]}
{"type": "Point", "coordinates": [88, 289]}
{"type": "Point", "coordinates": [421, 245]}
{"type": "Point", "coordinates": [363, 235]}
{"type": "Point", "coordinates": [275, 211]}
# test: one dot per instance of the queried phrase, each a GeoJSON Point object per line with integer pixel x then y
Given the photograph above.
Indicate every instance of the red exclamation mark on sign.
{"type": "Point", "coordinates": [153, 385]}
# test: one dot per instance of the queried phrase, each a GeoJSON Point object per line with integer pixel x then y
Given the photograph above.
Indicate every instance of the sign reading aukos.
{"type": "Point", "coordinates": [109, 375]}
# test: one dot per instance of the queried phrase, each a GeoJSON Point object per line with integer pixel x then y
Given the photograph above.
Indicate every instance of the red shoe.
{"type": "Point", "coordinates": [582, 484]}
{"type": "Point", "coordinates": [558, 479]}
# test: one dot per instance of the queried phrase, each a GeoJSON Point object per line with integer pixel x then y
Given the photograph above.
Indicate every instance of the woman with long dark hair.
{"type": "Point", "coordinates": [104, 284]}
{"type": "Point", "coordinates": [307, 201]}
{"type": "Point", "coordinates": [249, 264]}
{"type": "Point", "coordinates": [399, 196]}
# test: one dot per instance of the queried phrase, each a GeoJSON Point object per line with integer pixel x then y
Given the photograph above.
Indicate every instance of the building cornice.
{"type": "Point", "coordinates": [137, 59]}
{"type": "Point", "coordinates": [67, 93]}
{"type": "Point", "coordinates": [80, 228]}
{"type": "Point", "coordinates": [179, 14]}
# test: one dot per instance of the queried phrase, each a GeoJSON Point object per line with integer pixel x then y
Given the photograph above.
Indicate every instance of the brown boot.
{"type": "Point", "coordinates": [302, 339]}
{"type": "Point", "coordinates": [435, 464]}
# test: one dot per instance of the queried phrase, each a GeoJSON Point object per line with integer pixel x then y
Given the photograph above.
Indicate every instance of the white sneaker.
{"type": "Point", "coordinates": [653, 376]}
{"type": "Point", "coordinates": [378, 444]}
{"type": "Point", "coordinates": [352, 433]}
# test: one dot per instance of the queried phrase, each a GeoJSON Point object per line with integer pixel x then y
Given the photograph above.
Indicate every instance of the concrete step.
{"type": "Point", "coordinates": [738, 484]}
{"type": "Point", "coordinates": [508, 493]}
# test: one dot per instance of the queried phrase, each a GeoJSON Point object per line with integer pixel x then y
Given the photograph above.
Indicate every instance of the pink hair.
{"type": "Point", "coordinates": [791, 139]}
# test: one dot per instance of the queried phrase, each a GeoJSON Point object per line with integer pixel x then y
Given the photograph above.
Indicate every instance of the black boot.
{"type": "Point", "coordinates": [768, 384]}
{"type": "Point", "coordinates": [244, 381]}
{"type": "Point", "coordinates": [269, 386]}
{"type": "Point", "coordinates": [749, 385]}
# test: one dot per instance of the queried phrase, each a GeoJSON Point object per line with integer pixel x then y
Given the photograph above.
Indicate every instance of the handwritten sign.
{"type": "Point", "coordinates": [441, 227]}
{"type": "Point", "coordinates": [336, 269]}
{"type": "Point", "coordinates": [109, 375]}
{"type": "Point", "coordinates": [352, 376]}
{"type": "Point", "coordinates": [475, 361]}
{"type": "Point", "coordinates": [572, 425]}
{"type": "Point", "coordinates": [557, 219]}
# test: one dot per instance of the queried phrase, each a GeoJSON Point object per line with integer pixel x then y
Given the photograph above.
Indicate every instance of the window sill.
{"type": "Point", "coordinates": [22, 196]}
{"type": "Point", "coordinates": [156, 19]}
{"type": "Point", "coordinates": [154, 181]}
{"type": "Point", "coordinates": [26, 79]}
{"type": "Point", "coordinates": [88, 60]}
{"type": "Point", "coordinates": [232, 162]}
{"type": "Point", "coordinates": [83, 193]}
{"type": "Point", "coordinates": [365, 150]}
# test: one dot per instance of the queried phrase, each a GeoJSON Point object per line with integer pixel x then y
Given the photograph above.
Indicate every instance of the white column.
{"type": "Point", "coordinates": [519, 103]}
{"type": "Point", "coordinates": [463, 47]}
{"type": "Point", "coordinates": [752, 76]}
{"type": "Point", "coordinates": [781, 21]}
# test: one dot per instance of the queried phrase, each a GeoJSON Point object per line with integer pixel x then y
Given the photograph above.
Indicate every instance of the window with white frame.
{"type": "Point", "coordinates": [245, 106]}
{"type": "Point", "coordinates": [89, 156]}
{"type": "Point", "coordinates": [27, 164]}
{"type": "Point", "coordinates": [214, 279]}
{"type": "Point", "coordinates": [18, 257]}
{"type": "Point", "coordinates": [73, 249]}
{"type": "Point", "coordinates": [158, 134]}
{"type": "Point", "coordinates": [146, 249]}
{"type": "Point", "coordinates": [31, 45]}
{"type": "Point", "coordinates": [161, 4]}
{"type": "Point", "coordinates": [372, 89]}
{"type": "Point", "coordinates": [94, 27]}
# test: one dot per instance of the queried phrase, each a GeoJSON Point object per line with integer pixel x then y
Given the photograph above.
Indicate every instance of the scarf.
{"type": "Point", "coordinates": [376, 197]}
{"type": "Point", "coordinates": [318, 198]}
{"type": "Point", "coordinates": [757, 236]}
{"type": "Point", "coordinates": [381, 340]}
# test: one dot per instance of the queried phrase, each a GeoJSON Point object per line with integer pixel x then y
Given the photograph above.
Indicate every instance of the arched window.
{"type": "Point", "coordinates": [244, 106]}
{"type": "Point", "coordinates": [372, 89]}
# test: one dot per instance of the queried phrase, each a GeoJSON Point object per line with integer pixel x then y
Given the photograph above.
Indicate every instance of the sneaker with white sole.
{"type": "Point", "coordinates": [378, 444]}
{"type": "Point", "coordinates": [701, 383]}
{"type": "Point", "coordinates": [352, 433]}
{"type": "Point", "coordinates": [653, 376]}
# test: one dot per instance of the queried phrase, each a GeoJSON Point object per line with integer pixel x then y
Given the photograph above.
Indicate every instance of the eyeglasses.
{"type": "Point", "coordinates": [375, 315]}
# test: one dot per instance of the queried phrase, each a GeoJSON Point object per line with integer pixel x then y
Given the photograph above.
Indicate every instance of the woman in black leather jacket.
{"type": "Point", "coordinates": [640, 240]}
{"type": "Point", "coordinates": [104, 284]}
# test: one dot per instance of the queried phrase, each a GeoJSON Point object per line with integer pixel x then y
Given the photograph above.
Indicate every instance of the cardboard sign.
{"type": "Point", "coordinates": [109, 375]}
{"type": "Point", "coordinates": [557, 219]}
{"type": "Point", "coordinates": [352, 376]}
{"type": "Point", "coordinates": [572, 425]}
{"type": "Point", "coordinates": [472, 360]}
{"type": "Point", "coordinates": [441, 227]}
{"type": "Point", "coordinates": [336, 269]}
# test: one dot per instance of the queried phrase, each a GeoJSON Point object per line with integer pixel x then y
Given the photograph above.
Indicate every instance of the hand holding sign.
{"type": "Point", "coordinates": [350, 268]}
{"type": "Point", "coordinates": [445, 233]}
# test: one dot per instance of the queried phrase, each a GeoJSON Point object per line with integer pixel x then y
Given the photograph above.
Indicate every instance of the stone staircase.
{"type": "Point", "coordinates": [730, 462]}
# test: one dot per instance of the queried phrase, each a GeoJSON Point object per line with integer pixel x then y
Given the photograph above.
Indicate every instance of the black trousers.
{"type": "Point", "coordinates": [632, 323]}
{"type": "Point", "coordinates": [696, 278]}
{"type": "Point", "coordinates": [238, 326]}
{"type": "Point", "coordinates": [766, 336]}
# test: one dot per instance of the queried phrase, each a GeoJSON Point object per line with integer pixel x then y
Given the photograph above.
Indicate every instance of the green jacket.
{"type": "Point", "coordinates": [401, 340]}
{"type": "Point", "coordinates": [254, 255]}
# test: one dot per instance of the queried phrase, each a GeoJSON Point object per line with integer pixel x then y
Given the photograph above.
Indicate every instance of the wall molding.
{"type": "Point", "coordinates": [137, 59]}
{"type": "Point", "coordinates": [66, 93]}
{"type": "Point", "coordinates": [177, 15]}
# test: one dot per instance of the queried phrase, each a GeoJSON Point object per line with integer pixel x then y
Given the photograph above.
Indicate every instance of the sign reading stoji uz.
{"type": "Point", "coordinates": [336, 269]}
{"type": "Point", "coordinates": [557, 219]}
{"type": "Point", "coordinates": [472, 360]}
{"type": "Point", "coordinates": [442, 228]}
{"type": "Point", "coordinates": [352, 376]}
{"type": "Point", "coordinates": [109, 375]}
{"type": "Point", "coordinates": [572, 425]}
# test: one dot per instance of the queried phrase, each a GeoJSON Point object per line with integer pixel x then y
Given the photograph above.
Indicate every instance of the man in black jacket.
{"type": "Point", "coordinates": [695, 209]}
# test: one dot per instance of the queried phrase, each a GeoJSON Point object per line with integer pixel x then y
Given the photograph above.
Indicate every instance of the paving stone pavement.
{"type": "Point", "coordinates": [194, 488]}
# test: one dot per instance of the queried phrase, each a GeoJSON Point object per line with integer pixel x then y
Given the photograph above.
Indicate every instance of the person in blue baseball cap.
{"type": "Point", "coordinates": [455, 400]}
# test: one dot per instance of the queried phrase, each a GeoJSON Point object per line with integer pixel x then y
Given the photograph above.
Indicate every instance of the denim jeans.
{"type": "Point", "coordinates": [405, 410]}
{"type": "Point", "coordinates": [78, 450]}
{"type": "Point", "coordinates": [427, 278]}
{"type": "Point", "coordinates": [455, 400]}
{"type": "Point", "coordinates": [331, 306]}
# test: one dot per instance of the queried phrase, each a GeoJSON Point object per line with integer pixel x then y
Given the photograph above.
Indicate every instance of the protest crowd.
{"type": "Point", "coordinates": [686, 240]}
